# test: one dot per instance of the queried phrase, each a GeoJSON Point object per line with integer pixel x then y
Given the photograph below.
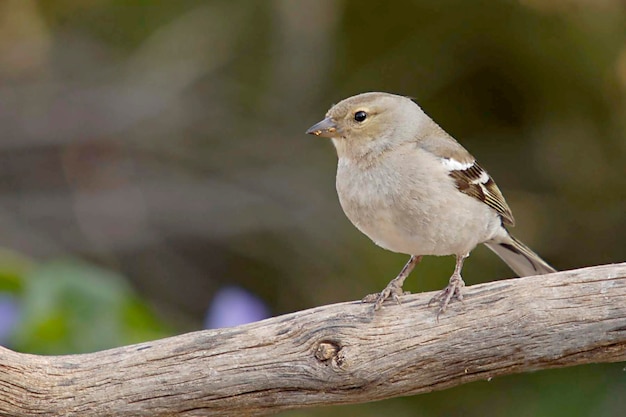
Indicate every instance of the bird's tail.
{"type": "Point", "coordinates": [519, 257]}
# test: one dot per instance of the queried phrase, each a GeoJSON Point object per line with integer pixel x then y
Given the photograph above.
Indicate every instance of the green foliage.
{"type": "Point", "coordinates": [67, 306]}
{"type": "Point", "coordinates": [13, 267]}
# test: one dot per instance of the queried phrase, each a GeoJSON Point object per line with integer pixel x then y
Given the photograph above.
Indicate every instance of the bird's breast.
{"type": "Point", "coordinates": [414, 210]}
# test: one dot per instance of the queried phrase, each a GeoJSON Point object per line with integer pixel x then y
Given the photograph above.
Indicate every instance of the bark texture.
{"type": "Point", "coordinates": [335, 354]}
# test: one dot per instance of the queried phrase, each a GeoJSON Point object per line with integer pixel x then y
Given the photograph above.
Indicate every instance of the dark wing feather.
{"type": "Point", "coordinates": [475, 182]}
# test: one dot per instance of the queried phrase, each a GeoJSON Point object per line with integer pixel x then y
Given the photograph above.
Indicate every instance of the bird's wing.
{"type": "Point", "coordinates": [476, 182]}
{"type": "Point", "coordinates": [469, 177]}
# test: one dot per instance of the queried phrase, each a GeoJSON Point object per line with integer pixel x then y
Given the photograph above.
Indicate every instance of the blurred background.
{"type": "Point", "coordinates": [155, 177]}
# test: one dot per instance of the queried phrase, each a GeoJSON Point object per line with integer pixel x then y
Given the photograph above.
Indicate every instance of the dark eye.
{"type": "Point", "coordinates": [360, 116]}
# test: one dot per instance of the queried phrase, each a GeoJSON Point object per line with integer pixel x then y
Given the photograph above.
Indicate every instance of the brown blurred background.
{"type": "Point", "coordinates": [164, 140]}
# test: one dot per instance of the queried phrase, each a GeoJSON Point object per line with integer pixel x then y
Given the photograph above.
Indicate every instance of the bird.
{"type": "Point", "coordinates": [413, 189]}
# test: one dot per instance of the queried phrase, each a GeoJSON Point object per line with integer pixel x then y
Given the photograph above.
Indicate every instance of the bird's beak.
{"type": "Point", "coordinates": [326, 129]}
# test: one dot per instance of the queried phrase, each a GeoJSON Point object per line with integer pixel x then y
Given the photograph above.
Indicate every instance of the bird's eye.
{"type": "Point", "coordinates": [360, 116]}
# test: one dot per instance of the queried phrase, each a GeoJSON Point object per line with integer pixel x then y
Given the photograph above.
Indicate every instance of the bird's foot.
{"type": "Point", "coordinates": [392, 290]}
{"type": "Point", "coordinates": [453, 290]}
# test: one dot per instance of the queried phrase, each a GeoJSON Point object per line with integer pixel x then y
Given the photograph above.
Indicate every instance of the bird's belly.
{"type": "Point", "coordinates": [437, 223]}
{"type": "Point", "coordinates": [417, 241]}
{"type": "Point", "coordinates": [421, 236]}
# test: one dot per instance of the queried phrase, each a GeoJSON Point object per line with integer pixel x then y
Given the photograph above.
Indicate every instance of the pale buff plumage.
{"type": "Point", "coordinates": [411, 188]}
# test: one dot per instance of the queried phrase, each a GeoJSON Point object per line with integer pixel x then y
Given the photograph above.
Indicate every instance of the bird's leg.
{"type": "Point", "coordinates": [394, 288]}
{"type": "Point", "coordinates": [454, 288]}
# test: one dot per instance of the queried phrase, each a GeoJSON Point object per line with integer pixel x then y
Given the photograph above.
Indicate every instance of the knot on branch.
{"type": "Point", "coordinates": [330, 351]}
{"type": "Point", "coordinates": [326, 350]}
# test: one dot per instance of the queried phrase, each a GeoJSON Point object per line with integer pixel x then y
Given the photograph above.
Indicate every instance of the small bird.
{"type": "Point", "coordinates": [413, 189]}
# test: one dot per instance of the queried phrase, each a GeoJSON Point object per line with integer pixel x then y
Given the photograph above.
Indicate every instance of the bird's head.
{"type": "Point", "coordinates": [369, 121]}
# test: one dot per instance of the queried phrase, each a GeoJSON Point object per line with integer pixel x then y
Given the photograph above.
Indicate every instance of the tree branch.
{"type": "Point", "coordinates": [336, 354]}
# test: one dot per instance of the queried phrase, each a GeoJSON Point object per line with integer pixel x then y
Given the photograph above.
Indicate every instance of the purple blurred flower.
{"type": "Point", "coordinates": [233, 306]}
{"type": "Point", "coordinates": [9, 316]}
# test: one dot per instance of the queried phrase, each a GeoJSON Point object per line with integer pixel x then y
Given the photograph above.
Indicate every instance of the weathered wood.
{"type": "Point", "coordinates": [336, 354]}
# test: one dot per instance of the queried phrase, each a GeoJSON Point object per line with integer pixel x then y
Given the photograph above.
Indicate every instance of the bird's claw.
{"type": "Point", "coordinates": [453, 290]}
{"type": "Point", "coordinates": [392, 290]}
